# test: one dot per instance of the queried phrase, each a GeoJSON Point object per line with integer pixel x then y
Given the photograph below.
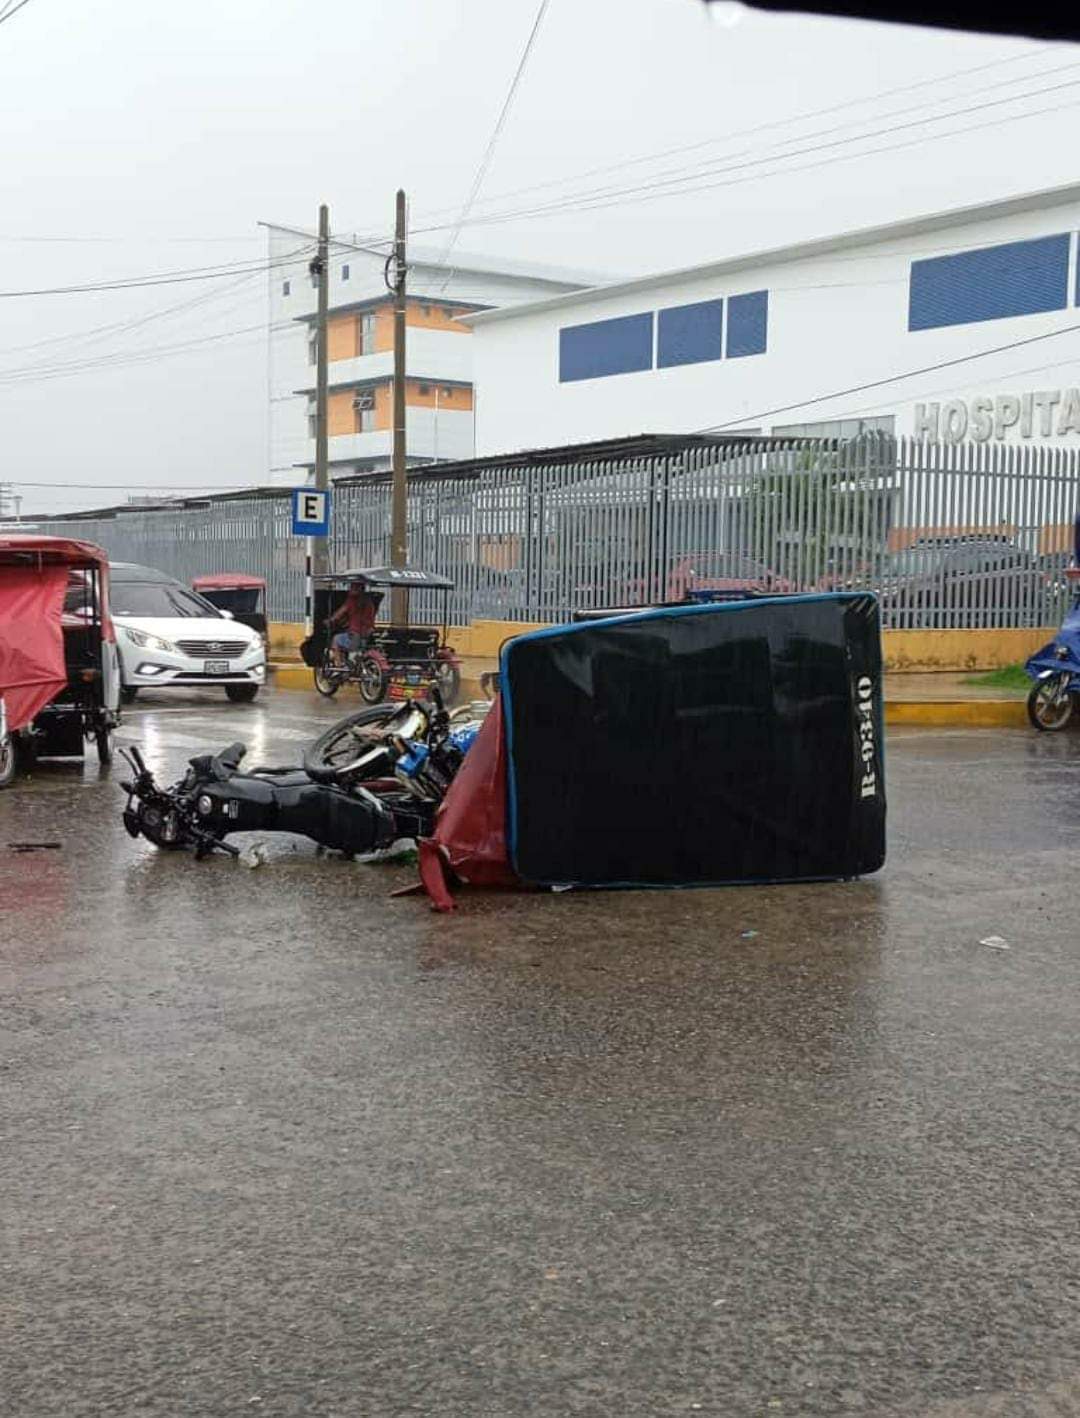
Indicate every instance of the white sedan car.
{"type": "Point", "coordinates": [169, 637]}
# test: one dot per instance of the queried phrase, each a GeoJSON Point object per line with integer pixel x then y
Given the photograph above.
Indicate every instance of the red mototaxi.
{"type": "Point", "coordinates": [59, 676]}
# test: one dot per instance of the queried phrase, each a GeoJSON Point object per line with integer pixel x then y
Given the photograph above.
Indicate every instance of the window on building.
{"type": "Point", "coordinates": [603, 347]}
{"type": "Point", "coordinates": [286, 287]}
{"type": "Point", "coordinates": [313, 348]}
{"type": "Point", "coordinates": [992, 283]}
{"type": "Point", "coordinates": [365, 334]}
{"type": "Point", "coordinates": [448, 393]}
{"type": "Point", "coordinates": [747, 324]}
{"type": "Point", "coordinates": [345, 272]}
{"type": "Point", "coordinates": [311, 425]}
{"type": "Point", "coordinates": [690, 334]}
{"type": "Point", "coordinates": [837, 428]}
{"type": "Point", "coordinates": [425, 309]}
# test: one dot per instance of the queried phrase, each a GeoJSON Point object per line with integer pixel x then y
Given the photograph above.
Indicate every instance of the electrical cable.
{"type": "Point", "coordinates": [647, 192]}
{"type": "Point", "coordinates": [936, 81]}
{"type": "Point", "coordinates": [12, 9]}
{"type": "Point", "coordinates": [676, 175]}
{"type": "Point", "coordinates": [489, 151]}
{"type": "Point", "coordinates": [891, 379]}
{"type": "Point", "coordinates": [164, 278]}
{"type": "Point", "coordinates": [121, 359]}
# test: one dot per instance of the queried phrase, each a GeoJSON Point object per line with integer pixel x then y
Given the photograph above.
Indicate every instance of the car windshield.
{"type": "Point", "coordinates": [159, 598]}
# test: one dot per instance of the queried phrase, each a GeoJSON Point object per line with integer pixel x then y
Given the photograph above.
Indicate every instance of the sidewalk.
{"type": "Point", "coordinates": [940, 700]}
{"type": "Point", "coordinates": [929, 700]}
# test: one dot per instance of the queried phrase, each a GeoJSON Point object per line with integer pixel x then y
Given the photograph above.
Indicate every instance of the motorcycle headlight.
{"type": "Point", "coordinates": [1062, 652]}
{"type": "Point", "coordinates": [150, 642]}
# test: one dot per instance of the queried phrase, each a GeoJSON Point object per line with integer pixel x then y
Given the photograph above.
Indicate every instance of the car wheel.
{"type": "Point", "coordinates": [128, 693]}
{"type": "Point", "coordinates": [241, 693]}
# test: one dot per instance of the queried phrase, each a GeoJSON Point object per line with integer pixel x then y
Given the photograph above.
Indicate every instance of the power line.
{"type": "Point", "coordinates": [12, 9]}
{"type": "Point", "coordinates": [119, 359]}
{"type": "Point", "coordinates": [891, 379]}
{"type": "Point", "coordinates": [123, 327]}
{"type": "Point", "coordinates": [489, 151]}
{"type": "Point", "coordinates": [648, 192]}
{"type": "Point", "coordinates": [126, 487]}
{"type": "Point", "coordinates": [164, 278]}
{"type": "Point", "coordinates": [676, 175]}
{"type": "Point", "coordinates": [645, 158]}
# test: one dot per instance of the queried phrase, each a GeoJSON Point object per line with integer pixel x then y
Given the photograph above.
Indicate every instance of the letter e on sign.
{"type": "Point", "coordinates": [310, 512]}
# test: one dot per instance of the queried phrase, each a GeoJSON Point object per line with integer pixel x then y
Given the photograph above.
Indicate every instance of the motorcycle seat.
{"type": "Point", "coordinates": [220, 766]}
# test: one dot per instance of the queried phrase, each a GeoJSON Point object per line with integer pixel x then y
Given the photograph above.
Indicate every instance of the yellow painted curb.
{"type": "Point", "coordinates": [926, 714]}
{"type": "Point", "coordinates": [957, 713]}
{"type": "Point", "coordinates": [300, 677]}
{"type": "Point", "coordinates": [292, 677]}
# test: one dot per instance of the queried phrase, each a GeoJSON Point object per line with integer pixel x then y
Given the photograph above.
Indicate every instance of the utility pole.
{"type": "Point", "coordinates": [399, 599]}
{"type": "Point", "coordinates": [318, 549]}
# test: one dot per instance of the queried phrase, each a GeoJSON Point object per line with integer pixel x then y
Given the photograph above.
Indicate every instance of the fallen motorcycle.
{"type": "Point", "coordinates": [373, 778]}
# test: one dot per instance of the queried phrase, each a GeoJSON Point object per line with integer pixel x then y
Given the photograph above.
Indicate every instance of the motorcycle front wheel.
{"type": "Point", "coordinates": [346, 740]}
{"type": "Point", "coordinates": [1050, 704]}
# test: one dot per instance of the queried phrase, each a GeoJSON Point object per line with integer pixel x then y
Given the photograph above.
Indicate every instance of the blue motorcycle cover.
{"type": "Point", "coordinates": [698, 745]}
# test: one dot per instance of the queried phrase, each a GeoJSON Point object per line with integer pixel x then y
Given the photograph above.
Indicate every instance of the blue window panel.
{"type": "Point", "coordinates": [747, 323]}
{"type": "Point", "coordinates": [1019, 278]}
{"type": "Point", "coordinates": [690, 334]}
{"type": "Point", "coordinates": [603, 347]}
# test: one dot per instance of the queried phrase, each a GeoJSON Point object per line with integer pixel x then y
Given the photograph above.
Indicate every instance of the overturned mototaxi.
{"type": "Point", "coordinates": [687, 745]}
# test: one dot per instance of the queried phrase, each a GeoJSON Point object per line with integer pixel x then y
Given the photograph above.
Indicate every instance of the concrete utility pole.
{"type": "Point", "coordinates": [320, 268]}
{"type": "Point", "coordinates": [399, 599]}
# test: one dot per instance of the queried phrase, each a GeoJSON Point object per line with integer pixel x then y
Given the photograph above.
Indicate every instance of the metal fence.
{"type": "Point", "coordinates": [949, 535]}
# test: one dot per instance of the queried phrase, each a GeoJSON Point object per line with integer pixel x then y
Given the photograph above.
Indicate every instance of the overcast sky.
{"type": "Point", "coordinates": [148, 137]}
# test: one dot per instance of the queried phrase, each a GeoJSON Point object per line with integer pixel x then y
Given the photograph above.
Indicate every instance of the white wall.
{"type": "Point", "coordinates": [836, 322]}
{"type": "Point", "coordinates": [429, 353]}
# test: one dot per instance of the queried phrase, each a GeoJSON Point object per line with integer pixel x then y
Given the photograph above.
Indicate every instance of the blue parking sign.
{"type": "Point", "coordinates": [310, 512]}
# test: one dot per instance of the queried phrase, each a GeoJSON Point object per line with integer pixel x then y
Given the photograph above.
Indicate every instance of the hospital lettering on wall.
{"type": "Point", "coordinates": [1045, 413]}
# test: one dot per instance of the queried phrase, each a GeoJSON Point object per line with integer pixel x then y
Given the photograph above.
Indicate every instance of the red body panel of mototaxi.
{"type": "Point", "coordinates": [59, 673]}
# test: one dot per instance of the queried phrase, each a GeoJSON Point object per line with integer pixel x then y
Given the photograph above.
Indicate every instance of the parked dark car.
{"type": "Point", "coordinates": [961, 584]}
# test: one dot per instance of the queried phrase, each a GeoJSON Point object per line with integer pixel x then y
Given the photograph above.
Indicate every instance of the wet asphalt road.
{"type": "Point", "coordinates": [274, 1143]}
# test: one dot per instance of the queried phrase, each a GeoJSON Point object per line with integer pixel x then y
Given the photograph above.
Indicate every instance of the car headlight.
{"type": "Point", "coordinates": [150, 642]}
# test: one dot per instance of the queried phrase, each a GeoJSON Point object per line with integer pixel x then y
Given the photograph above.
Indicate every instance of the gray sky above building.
{"type": "Point", "coordinates": [149, 138]}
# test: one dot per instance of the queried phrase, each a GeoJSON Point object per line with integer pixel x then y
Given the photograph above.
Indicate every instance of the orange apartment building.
{"type": "Point", "coordinates": [440, 396]}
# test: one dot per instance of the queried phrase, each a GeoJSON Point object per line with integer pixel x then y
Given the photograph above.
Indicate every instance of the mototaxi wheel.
{"type": "Point", "coordinates": [103, 741]}
{"type": "Point", "coordinates": [1051, 705]}
{"type": "Point", "coordinates": [328, 677]}
{"type": "Point", "coordinates": [448, 679]}
{"type": "Point", "coordinates": [9, 760]}
{"type": "Point", "coordinates": [241, 693]}
{"type": "Point", "coordinates": [372, 681]}
{"type": "Point", "coordinates": [341, 743]}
